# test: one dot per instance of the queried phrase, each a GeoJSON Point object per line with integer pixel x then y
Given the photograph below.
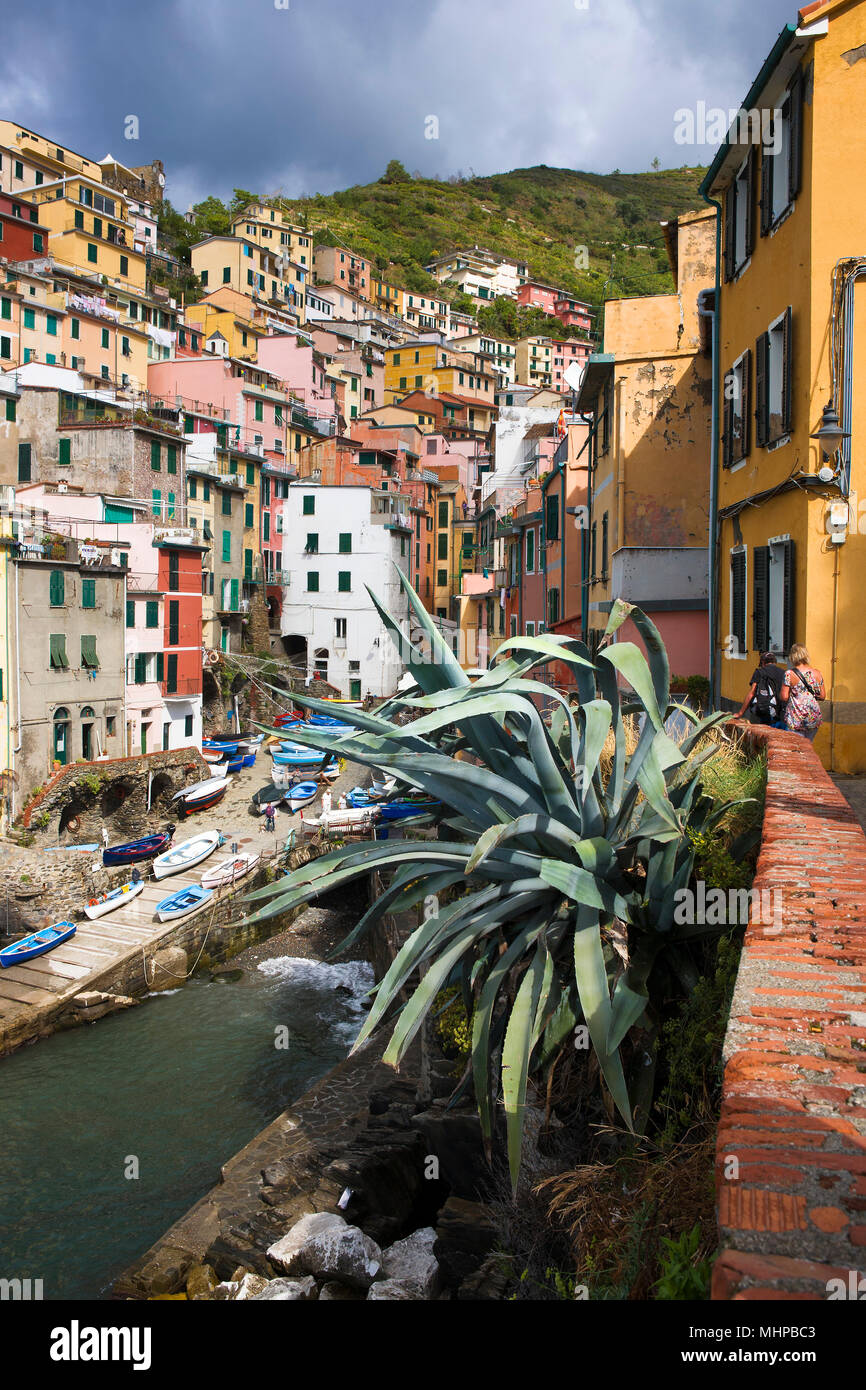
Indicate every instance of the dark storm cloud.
{"type": "Point", "coordinates": [323, 93]}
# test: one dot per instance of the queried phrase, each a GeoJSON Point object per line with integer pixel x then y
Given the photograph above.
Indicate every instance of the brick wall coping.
{"type": "Point", "coordinates": [791, 1147]}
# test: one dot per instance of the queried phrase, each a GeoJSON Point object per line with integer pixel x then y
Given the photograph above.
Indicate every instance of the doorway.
{"type": "Point", "coordinates": [145, 730]}
{"type": "Point", "coordinates": [61, 736]}
{"type": "Point", "coordinates": [87, 726]}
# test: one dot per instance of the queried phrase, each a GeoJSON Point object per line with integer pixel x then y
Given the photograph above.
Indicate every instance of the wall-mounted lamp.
{"type": "Point", "coordinates": [829, 436]}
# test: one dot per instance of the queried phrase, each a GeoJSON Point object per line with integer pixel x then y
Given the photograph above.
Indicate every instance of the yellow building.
{"type": "Point", "coordinates": [259, 273]}
{"type": "Point", "coordinates": [269, 227]}
{"type": "Point", "coordinates": [28, 160]}
{"type": "Point", "coordinates": [90, 230]}
{"type": "Point", "coordinates": [792, 535]}
{"type": "Point", "coordinates": [420, 366]}
{"type": "Point", "coordinates": [236, 330]}
{"type": "Point", "coordinates": [646, 533]}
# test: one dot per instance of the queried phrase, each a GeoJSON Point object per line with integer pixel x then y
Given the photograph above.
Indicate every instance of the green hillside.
{"type": "Point", "coordinates": [540, 215]}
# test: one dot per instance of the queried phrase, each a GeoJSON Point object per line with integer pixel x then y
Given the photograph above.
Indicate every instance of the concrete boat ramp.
{"type": "Point", "coordinates": [124, 953]}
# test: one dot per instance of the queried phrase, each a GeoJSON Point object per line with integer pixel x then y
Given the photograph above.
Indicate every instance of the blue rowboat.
{"type": "Point", "coordinates": [135, 851]}
{"type": "Point", "coordinates": [358, 797]}
{"type": "Point", "coordinates": [218, 747]}
{"type": "Point", "coordinates": [249, 759]}
{"type": "Point", "coordinates": [301, 794]}
{"type": "Point", "coordinates": [37, 943]}
{"type": "Point", "coordinates": [234, 764]}
{"type": "Point", "coordinates": [325, 721]}
{"type": "Point", "coordinates": [401, 810]}
{"type": "Point", "coordinates": [307, 757]}
{"type": "Point", "coordinates": [182, 902]}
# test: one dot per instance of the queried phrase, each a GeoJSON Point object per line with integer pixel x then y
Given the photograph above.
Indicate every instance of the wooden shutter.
{"type": "Point", "coordinates": [130, 612]}
{"type": "Point", "coordinates": [160, 665]}
{"type": "Point", "coordinates": [750, 204]}
{"type": "Point", "coordinates": [762, 420]}
{"type": "Point", "coordinates": [795, 143]}
{"type": "Point", "coordinates": [728, 434]}
{"type": "Point", "coordinates": [171, 680]}
{"type": "Point", "coordinates": [788, 372]}
{"type": "Point", "coordinates": [766, 191]}
{"type": "Point", "coordinates": [730, 230]}
{"type": "Point", "coordinates": [234, 594]}
{"type": "Point", "coordinates": [738, 600]}
{"type": "Point", "coordinates": [140, 668]}
{"type": "Point", "coordinates": [56, 587]}
{"type": "Point", "coordinates": [788, 595]}
{"type": "Point", "coordinates": [24, 469]}
{"type": "Point", "coordinates": [746, 418]}
{"type": "Point", "coordinates": [88, 653]}
{"type": "Point", "coordinates": [761, 598]}
{"type": "Point", "coordinates": [173, 623]}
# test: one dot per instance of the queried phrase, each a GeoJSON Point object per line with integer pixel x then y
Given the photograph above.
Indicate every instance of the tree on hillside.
{"type": "Point", "coordinates": [395, 173]}
{"type": "Point", "coordinates": [241, 198]}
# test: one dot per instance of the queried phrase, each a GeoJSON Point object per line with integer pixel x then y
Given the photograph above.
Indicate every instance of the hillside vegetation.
{"type": "Point", "coordinates": [540, 215]}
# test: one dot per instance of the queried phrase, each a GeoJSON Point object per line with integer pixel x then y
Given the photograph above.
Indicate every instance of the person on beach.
{"type": "Point", "coordinates": [269, 817]}
{"type": "Point", "coordinates": [763, 703]}
{"type": "Point", "coordinates": [803, 689]}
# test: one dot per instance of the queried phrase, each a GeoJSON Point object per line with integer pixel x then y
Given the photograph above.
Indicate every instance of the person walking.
{"type": "Point", "coordinates": [764, 700]}
{"type": "Point", "coordinates": [803, 689]}
{"type": "Point", "coordinates": [269, 817]}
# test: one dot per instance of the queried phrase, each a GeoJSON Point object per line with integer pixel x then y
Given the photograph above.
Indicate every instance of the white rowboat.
{"type": "Point", "coordinates": [185, 854]}
{"type": "Point", "coordinates": [229, 870]}
{"type": "Point", "coordinates": [98, 907]}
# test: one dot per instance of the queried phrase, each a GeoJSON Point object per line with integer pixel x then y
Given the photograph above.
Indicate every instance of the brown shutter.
{"type": "Point", "coordinates": [788, 592]}
{"type": "Point", "coordinates": [795, 145]}
{"type": "Point", "coordinates": [728, 435]}
{"type": "Point", "coordinates": [746, 422]}
{"type": "Point", "coordinates": [730, 229]}
{"type": "Point", "coordinates": [766, 191]}
{"type": "Point", "coordinates": [788, 372]}
{"type": "Point", "coordinates": [762, 423]}
{"type": "Point", "coordinates": [750, 204]}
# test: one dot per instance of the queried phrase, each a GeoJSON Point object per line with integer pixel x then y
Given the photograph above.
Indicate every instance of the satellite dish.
{"type": "Point", "coordinates": [573, 375]}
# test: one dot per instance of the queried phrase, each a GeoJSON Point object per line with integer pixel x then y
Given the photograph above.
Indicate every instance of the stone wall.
{"type": "Point", "coordinates": [791, 1149]}
{"type": "Point", "coordinates": [80, 799]}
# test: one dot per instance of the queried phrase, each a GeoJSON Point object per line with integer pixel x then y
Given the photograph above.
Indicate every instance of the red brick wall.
{"type": "Point", "coordinates": [791, 1150]}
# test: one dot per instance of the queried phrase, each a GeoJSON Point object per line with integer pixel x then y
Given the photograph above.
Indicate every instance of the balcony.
{"type": "Point", "coordinates": [182, 688]}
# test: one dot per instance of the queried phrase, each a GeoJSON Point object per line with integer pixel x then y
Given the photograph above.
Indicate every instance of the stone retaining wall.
{"type": "Point", "coordinates": [791, 1150]}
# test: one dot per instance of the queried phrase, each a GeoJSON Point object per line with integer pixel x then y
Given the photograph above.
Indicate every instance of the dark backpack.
{"type": "Point", "coordinates": [766, 698]}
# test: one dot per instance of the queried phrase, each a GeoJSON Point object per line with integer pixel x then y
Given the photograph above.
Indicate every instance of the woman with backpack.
{"type": "Point", "coordinates": [764, 702]}
{"type": "Point", "coordinates": [803, 688]}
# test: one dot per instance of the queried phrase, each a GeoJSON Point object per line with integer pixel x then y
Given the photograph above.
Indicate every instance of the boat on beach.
{"type": "Point", "coordinates": [37, 943]}
{"type": "Point", "coordinates": [201, 796]}
{"type": "Point", "coordinates": [229, 870]}
{"type": "Point", "coordinates": [186, 853]}
{"type": "Point", "coordinates": [301, 794]}
{"type": "Point", "coordinates": [183, 901]}
{"type": "Point", "coordinates": [99, 907]}
{"type": "Point", "coordinates": [137, 851]}
{"type": "Point", "coordinates": [270, 792]}
{"type": "Point", "coordinates": [353, 818]}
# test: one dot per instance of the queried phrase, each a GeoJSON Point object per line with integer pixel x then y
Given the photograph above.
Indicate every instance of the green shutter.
{"type": "Point", "coordinates": [88, 653]}
{"type": "Point", "coordinates": [160, 666]}
{"type": "Point", "coordinates": [248, 564]}
{"type": "Point", "coordinates": [156, 507]}
{"type": "Point", "coordinates": [88, 593]}
{"type": "Point", "coordinates": [171, 457]}
{"type": "Point", "coordinates": [173, 623]}
{"type": "Point", "coordinates": [24, 470]}
{"type": "Point", "coordinates": [130, 612]}
{"type": "Point", "coordinates": [155, 455]}
{"type": "Point", "coordinates": [309, 505]}
{"type": "Point", "coordinates": [56, 589]}
{"type": "Point", "coordinates": [140, 668]}
{"type": "Point", "coordinates": [344, 582]}
{"type": "Point", "coordinates": [251, 474]}
{"type": "Point", "coordinates": [345, 542]}
{"type": "Point", "coordinates": [312, 581]}
{"type": "Point", "coordinates": [59, 660]}
{"type": "Point", "coordinates": [64, 451]}
{"type": "Point", "coordinates": [171, 675]}
{"type": "Point", "coordinates": [235, 595]}
{"type": "Point", "coordinates": [248, 514]}
{"type": "Point", "coordinates": [152, 613]}
{"type": "Point", "coordinates": [227, 547]}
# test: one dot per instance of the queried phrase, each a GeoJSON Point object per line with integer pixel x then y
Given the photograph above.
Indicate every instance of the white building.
{"type": "Point", "coordinates": [337, 540]}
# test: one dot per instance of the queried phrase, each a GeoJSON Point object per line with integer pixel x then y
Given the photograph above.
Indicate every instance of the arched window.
{"type": "Point", "coordinates": [61, 735]}
{"type": "Point", "coordinates": [87, 713]}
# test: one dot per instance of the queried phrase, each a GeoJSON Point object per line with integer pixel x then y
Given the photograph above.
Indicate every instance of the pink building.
{"type": "Point", "coordinates": [535, 295]}
{"type": "Point", "coordinates": [573, 312]}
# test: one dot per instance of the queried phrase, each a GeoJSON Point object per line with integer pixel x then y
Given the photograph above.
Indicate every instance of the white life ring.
{"type": "Point", "coordinates": [212, 658]}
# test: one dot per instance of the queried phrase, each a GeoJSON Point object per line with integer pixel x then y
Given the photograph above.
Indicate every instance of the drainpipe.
{"type": "Point", "coordinates": [584, 550]}
{"type": "Point", "coordinates": [17, 749]}
{"type": "Point", "coordinates": [712, 559]}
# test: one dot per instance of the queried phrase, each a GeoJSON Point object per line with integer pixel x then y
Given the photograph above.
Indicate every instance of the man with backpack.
{"type": "Point", "coordinates": [764, 703]}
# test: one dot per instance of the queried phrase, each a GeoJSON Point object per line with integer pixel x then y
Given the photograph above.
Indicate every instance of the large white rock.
{"type": "Point", "coordinates": [390, 1289]}
{"type": "Point", "coordinates": [411, 1262]}
{"type": "Point", "coordinates": [249, 1287]}
{"type": "Point", "coordinates": [286, 1291]}
{"type": "Point", "coordinates": [323, 1243]}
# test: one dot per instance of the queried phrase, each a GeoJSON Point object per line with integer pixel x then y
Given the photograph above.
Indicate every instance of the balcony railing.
{"type": "Point", "coordinates": [181, 688]}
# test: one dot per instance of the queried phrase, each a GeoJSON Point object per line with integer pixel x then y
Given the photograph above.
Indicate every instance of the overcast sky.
{"type": "Point", "coordinates": [322, 93]}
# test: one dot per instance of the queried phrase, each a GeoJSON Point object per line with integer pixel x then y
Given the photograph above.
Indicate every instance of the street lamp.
{"type": "Point", "coordinates": [831, 433]}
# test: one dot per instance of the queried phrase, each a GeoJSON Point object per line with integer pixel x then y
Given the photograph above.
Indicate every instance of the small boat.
{"type": "Point", "coordinates": [301, 794]}
{"type": "Point", "coordinates": [228, 745]}
{"type": "Point", "coordinates": [98, 907]}
{"type": "Point", "coordinates": [229, 870]}
{"type": "Point", "coordinates": [309, 758]}
{"type": "Point", "coordinates": [290, 716]}
{"type": "Point", "coordinates": [359, 796]}
{"type": "Point", "coordinates": [234, 764]}
{"type": "Point", "coordinates": [186, 853]}
{"type": "Point", "coordinates": [402, 810]}
{"type": "Point", "coordinates": [183, 901]}
{"type": "Point", "coordinates": [135, 851]}
{"type": "Point", "coordinates": [270, 792]}
{"type": "Point", "coordinates": [37, 943]}
{"type": "Point", "coordinates": [344, 817]}
{"type": "Point", "coordinates": [205, 784]}
{"type": "Point", "coordinates": [203, 798]}
{"type": "Point", "coordinates": [327, 722]}
{"type": "Point", "coordinates": [52, 849]}
{"type": "Point", "coordinates": [250, 741]}
{"type": "Point", "coordinates": [212, 755]}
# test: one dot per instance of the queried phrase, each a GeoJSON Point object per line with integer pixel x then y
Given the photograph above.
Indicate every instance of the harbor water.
{"type": "Point", "coordinates": [109, 1133]}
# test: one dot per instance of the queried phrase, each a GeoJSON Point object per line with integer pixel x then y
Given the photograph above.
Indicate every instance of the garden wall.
{"type": "Point", "coordinates": [791, 1152]}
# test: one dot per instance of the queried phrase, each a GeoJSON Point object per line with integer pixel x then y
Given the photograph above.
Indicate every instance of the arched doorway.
{"type": "Point", "coordinates": [61, 735]}
{"type": "Point", "coordinates": [88, 715]}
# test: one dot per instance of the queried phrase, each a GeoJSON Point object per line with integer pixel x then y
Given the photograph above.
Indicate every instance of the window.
{"type": "Point", "coordinates": [736, 440]}
{"type": "Point", "coordinates": [187, 726]}
{"type": "Point", "coordinates": [248, 514]}
{"type": "Point", "coordinates": [774, 382]}
{"type": "Point", "coordinates": [530, 630]}
{"type": "Point", "coordinates": [773, 595]}
{"type": "Point", "coordinates": [89, 659]}
{"type": "Point", "coordinates": [58, 659]}
{"type": "Point", "coordinates": [156, 502]}
{"type": "Point", "coordinates": [56, 589]}
{"type": "Point", "coordinates": [781, 173]}
{"type": "Point", "coordinates": [312, 546]}
{"type": "Point", "coordinates": [530, 551]}
{"type": "Point", "coordinates": [309, 507]}
{"type": "Point", "coordinates": [227, 274]}
{"type": "Point", "coordinates": [151, 613]}
{"type": "Point", "coordinates": [171, 457]}
{"type": "Point", "coordinates": [345, 542]}
{"type": "Point", "coordinates": [105, 343]}
{"type": "Point", "coordinates": [5, 347]}
{"type": "Point", "coordinates": [259, 411]}
{"type": "Point", "coordinates": [443, 514]}
{"type": "Point", "coordinates": [130, 612]}
{"type": "Point", "coordinates": [155, 461]}
{"type": "Point", "coordinates": [604, 523]}
{"type": "Point", "coordinates": [312, 581]}
{"type": "Point", "coordinates": [11, 411]}
{"type": "Point", "coordinates": [75, 328]}
{"type": "Point", "coordinates": [51, 325]}
{"type": "Point", "coordinates": [203, 278]}
{"type": "Point", "coordinates": [29, 318]}
{"type": "Point", "coordinates": [552, 518]}
{"type": "Point", "coordinates": [88, 593]}
{"type": "Point", "coordinates": [340, 629]}
{"type": "Point", "coordinates": [442, 546]}
{"type": "Point", "coordinates": [91, 253]}
{"type": "Point", "coordinates": [38, 242]}
{"type": "Point", "coordinates": [124, 267]}
{"type": "Point", "coordinates": [173, 623]}
{"type": "Point", "coordinates": [344, 582]}
{"type": "Point", "coordinates": [227, 547]}
{"type": "Point", "coordinates": [251, 475]}
{"type": "Point", "coordinates": [64, 451]}
{"type": "Point", "coordinates": [227, 504]}
{"type": "Point", "coordinates": [736, 643]}
{"type": "Point", "coordinates": [739, 218]}
{"type": "Point", "coordinates": [170, 685]}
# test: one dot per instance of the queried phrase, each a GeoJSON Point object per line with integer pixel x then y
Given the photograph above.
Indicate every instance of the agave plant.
{"type": "Point", "coordinates": [541, 857]}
